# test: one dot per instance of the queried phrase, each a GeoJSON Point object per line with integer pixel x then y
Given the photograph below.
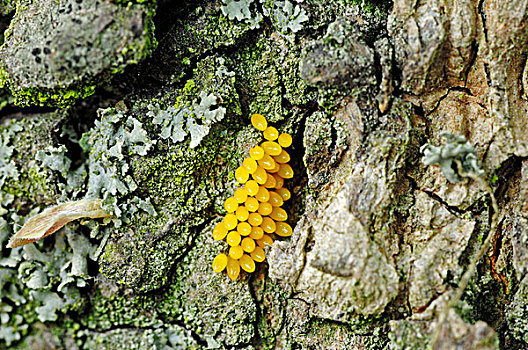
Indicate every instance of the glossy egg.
{"type": "Point", "coordinates": [242, 174]}
{"type": "Point", "coordinates": [285, 171]}
{"type": "Point", "coordinates": [271, 148]}
{"type": "Point", "coordinates": [242, 213]}
{"type": "Point", "coordinates": [283, 229]}
{"type": "Point", "coordinates": [219, 232]}
{"type": "Point", "coordinates": [270, 133]}
{"type": "Point", "coordinates": [255, 219]}
{"type": "Point", "coordinates": [248, 244]}
{"type": "Point", "coordinates": [233, 238]}
{"type": "Point", "coordinates": [251, 187]}
{"type": "Point", "coordinates": [252, 204]}
{"type": "Point", "coordinates": [278, 214]}
{"type": "Point", "coordinates": [258, 254]}
{"type": "Point", "coordinates": [240, 195]}
{"type": "Point", "coordinates": [244, 229]}
{"type": "Point", "coordinates": [256, 153]}
{"type": "Point", "coordinates": [250, 164]}
{"type": "Point", "coordinates": [236, 252]}
{"type": "Point", "coordinates": [233, 268]}
{"type": "Point", "coordinates": [259, 122]}
{"type": "Point", "coordinates": [246, 263]}
{"type": "Point", "coordinates": [220, 263]}
{"type": "Point", "coordinates": [285, 140]}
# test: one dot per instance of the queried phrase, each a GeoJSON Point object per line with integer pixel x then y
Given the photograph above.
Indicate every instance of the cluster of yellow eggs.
{"type": "Point", "coordinates": [254, 212]}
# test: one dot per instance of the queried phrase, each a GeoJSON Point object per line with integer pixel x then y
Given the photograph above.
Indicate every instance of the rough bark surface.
{"type": "Point", "coordinates": [146, 106]}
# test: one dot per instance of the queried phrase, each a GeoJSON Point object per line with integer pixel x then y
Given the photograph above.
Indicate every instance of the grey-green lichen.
{"type": "Point", "coordinates": [456, 148]}
{"type": "Point", "coordinates": [57, 52]}
{"type": "Point", "coordinates": [195, 119]}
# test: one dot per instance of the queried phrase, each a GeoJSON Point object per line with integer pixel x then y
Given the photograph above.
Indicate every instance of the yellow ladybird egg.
{"type": "Point", "coordinates": [258, 254]}
{"type": "Point", "coordinates": [275, 199]}
{"type": "Point", "coordinates": [262, 194]}
{"type": "Point", "coordinates": [284, 193]}
{"type": "Point", "coordinates": [256, 232]}
{"type": "Point", "coordinates": [241, 175]}
{"type": "Point", "coordinates": [230, 205]}
{"type": "Point", "coordinates": [251, 187]}
{"type": "Point", "coordinates": [265, 241]}
{"type": "Point", "coordinates": [260, 175]}
{"type": "Point", "coordinates": [268, 225]}
{"type": "Point", "coordinates": [271, 134]}
{"type": "Point", "coordinates": [230, 221]}
{"type": "Point", "coordinates": [248, 244]}
{"type": "Point", "coordinates": [270, 182]}
{"type": "Point", "coordinates": [267, 163]}
{"type": "Point", "coordinates": [219, 231]}
{"type": "Point", "coordinates": [285, 171]}
{"type": "Point", "coordinates": [271, 148]}
{"type": "Point", "coordinates": [255, 219]}
{"type": "Point", "coordinates": [246, 263]}
{"type": "Point", "coordinates": [236, 252]}
{"type": "Point", "coordinates": [279, 181]}
{"type": "Point", "coordinates": [275, 169]}
{"type": "Point", "coordinates": [250, 164]}
{"type": "Point", "coordinates": [278, 214]}
{"type": "Point", "coordinates": [252, 204]}
{"type": "Point", "coordinates": [256, 153]}
{"type": "Point", "coordinates": [282, 158]}
{"type": "Point", "coordinates": [283, 229]}
{"type": "Point", "coordinates": [240, 195]}
{"type": "Point", "coordinates": [233, 238]}
{"type": "Point", "coordinates": [265, 209]}
{"type": "Point", "coordinates": [259, 122]}
{"type": "Point", "coordinates": [285, 140]}
{"type": "Point", "coordinates": [244, 229]}
{"type": "Point", "coordinates": [242, 213]}
{"type": "Point", "coordinates": [233, 268]}
{"type": "Point", "coordinates": [219, 263]}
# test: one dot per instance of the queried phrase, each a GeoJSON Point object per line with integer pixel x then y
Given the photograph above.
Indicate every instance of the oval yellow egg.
{"type": "Point", "coordinates": [270, 182]}
{"type": "Point", "coordinates": [279, 181]}
{"type": "Point", "coordinates": [244, 228]}
{"type": "Point", "coordinates": [271, 148]}
{"type": "Point", "coordinates": [248, 244]}
{"type": "Point", "coordinates": [259, 122]}
{"type": "Point", "coordinates": [230, 204]}
{"type": "Point", "coordinates": [275, 199]}
{"type": "Point", "coordinates": [256, 232]}
{"type": "Point", "coordinates": [236, 252]}
{"type": "Point", "coordinates": [285, 140]}
{"type": "Point", "coordinates": [285, 171]}
{"type": "Point", "coordinates": [255, 219]}
{"type": "Point", "coordinates": [219, 263]}
{"type": "Point", "coordinates": [278, 214]}
{"type": "Point", "coordinates": [250, 164]}
{"type": "Point", "coordinates": [282, 158]}
{"type": "Point", "coordinates": [270, 133]}
{"type": "Point", "coordinates": [252, 204]}
{"type": "Point", "coordinates": [240, 195]}
{"type": "Point", "coordinates": [230, 221]}
{"type": "Point", "coordinates": [246, 263]}
{"type": "Point", "coordinates": [258, 254]}
{"type": "Point", "coordinates": [265, 241]}
{"type": "Point", "coordinates": [283, 229]}
{"type": "Point", "coordinates": [233, 238]}
{"type": "Point", "coordinates": [219, 231]}
{"type": "Point", "coordinates": [265, 209]}
{"type": "Point", "coordinates": [233, 268]}
{"type": "Point", "coordinates": [242, 213]}
{"type": "Point", "coordinates": [267, 163]}
{"type": "Point", "coordinates": [242, 175]}
{"type": "Point", "coordinates": [268, 225]}
{"type": "Point", "coordinates": [284, 193]}
{"type": "Point", "coordinates": [260, 176]}
{"type": "Point", "coordinates": [262, 194]}
{"type": "Point", "coordinates": [256, 153]}
{"type": "Point", "coordinates": [251, 187]}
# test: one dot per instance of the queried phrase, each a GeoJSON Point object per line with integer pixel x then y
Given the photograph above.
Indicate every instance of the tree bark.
{"type": "Point", "coordinates": [147, 107]}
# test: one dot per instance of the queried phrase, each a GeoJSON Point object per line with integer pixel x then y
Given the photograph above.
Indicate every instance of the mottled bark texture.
{"type": "Point", "coordinates": [146, 106]}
